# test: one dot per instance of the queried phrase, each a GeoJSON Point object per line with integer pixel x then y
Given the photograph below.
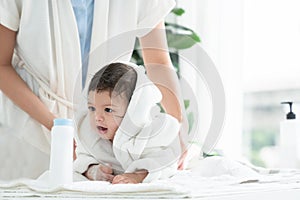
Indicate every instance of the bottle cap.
{"type": "Point", "coordinates": [63, 122]}
{"type": "Point", "coordinates": [290, 115]}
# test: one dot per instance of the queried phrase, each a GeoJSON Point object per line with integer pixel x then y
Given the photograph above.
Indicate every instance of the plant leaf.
{"type": "Point", "coordinates": [191, 120]}
{"type": "Point", "coordinates": [195, 37]}
{"type": "Point", "coordinates": [178, 11]}
{"type": "Point", "coordinates": [180, 41]}
{"type": "Point", "coordinates": [180, 37]}
{"type": "Point", "coordinates": [186, 103]}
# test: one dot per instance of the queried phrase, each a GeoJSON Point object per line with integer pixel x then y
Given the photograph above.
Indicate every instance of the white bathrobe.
{"type": "Point", "coordinates": [47, 53]}
{"type": "Point", "coordinates": [146, 138]}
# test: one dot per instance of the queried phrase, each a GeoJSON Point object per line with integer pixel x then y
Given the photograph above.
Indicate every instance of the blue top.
{"type": "Point", "coordinates": [63, 122]}
{"type": "Point", "coordinates": [84, 12]}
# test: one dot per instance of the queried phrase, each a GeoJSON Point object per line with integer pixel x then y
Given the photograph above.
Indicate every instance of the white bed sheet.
{"type": "Point", "coordinates": [212, 178]}
{"type": "Point", "coordinates": [185, 184]}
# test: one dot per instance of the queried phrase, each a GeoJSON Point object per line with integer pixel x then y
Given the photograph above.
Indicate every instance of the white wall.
{"type": "Point", "coordinates": [272, 45]}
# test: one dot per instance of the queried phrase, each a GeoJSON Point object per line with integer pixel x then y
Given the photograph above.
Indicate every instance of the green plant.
{"type": "Point", "coordinates": [178, 37]}
{"type": "Point", "coordinates": [260, 138]}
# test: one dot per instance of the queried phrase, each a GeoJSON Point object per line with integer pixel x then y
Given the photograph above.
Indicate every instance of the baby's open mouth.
{"type": "Point", "coordinates": [102, 129]}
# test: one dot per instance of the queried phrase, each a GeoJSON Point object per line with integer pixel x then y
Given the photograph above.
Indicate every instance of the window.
{"type": "Point", "coordinates": [255, 44]}
{"type": "Point", "coordinates": [271, 74]}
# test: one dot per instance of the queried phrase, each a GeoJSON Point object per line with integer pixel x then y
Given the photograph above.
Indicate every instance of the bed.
{"type": "Point", "coordinates": [230, 180]}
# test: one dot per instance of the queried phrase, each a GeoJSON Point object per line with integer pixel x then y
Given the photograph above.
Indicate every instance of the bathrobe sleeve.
{"type": "Point", "coordinates": [10, 11]}
{"type": "Point", "coordinates": [84, 157]}
{"type": "Point", "coordinates": [83, 160]}
{"type": "Point", "coordinates": [162, 150]}
{"type": "Point", "coordinates": [150, 13]}
{"type": "Point", "coordinates": [91, 149]}
{"type": "Point", "coordinates": [156, 148]}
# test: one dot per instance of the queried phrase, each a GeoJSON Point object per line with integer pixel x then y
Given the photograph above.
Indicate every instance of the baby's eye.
{"type": "Point", "coordinates": [109, 110]}
{"type": "Point", "coordinates": [91, 108]}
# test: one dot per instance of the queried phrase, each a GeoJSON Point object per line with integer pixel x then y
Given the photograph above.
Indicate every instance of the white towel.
{"type": "Point", "coordinates": [146, 138]}
{"type": "Point", "coordinates": [100, 189]}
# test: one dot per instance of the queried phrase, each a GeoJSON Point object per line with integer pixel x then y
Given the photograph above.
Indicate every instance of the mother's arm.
{"type": "Point", "coordinates": [14, 87]}
{"type": "Point", "coordinates": [159, 67]}
{"type": "Point", "coordinates": [160, 70]}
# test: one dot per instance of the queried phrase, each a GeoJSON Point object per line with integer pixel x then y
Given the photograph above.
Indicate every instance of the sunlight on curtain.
{"type": "Point", "coordinates": [219, 24]}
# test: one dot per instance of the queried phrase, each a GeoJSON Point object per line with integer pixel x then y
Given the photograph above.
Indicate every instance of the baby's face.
{"type": "Point", "coordinates": [106, 112]}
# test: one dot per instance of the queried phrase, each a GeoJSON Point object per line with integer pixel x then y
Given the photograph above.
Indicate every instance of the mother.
{"type": "Point", "coordinates": [45, 46]}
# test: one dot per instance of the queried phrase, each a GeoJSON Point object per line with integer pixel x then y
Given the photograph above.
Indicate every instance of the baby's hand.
{"type": "Point", "coordinates": [99, 173]}
{"type": "Point", "coordinates": [127, 178]}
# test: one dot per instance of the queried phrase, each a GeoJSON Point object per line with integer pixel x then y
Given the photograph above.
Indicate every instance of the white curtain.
{"type": "Point", "coordinates": [220, 26]}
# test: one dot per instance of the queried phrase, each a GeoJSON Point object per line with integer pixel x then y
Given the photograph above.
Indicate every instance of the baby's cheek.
{"type": "Point", "coordinates": [117, 120]}
{"type": "Point", "coordinates": [92, 119]}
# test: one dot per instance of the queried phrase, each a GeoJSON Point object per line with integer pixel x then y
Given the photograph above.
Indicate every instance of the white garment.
{"type": "Point", "coordinates": [54, 58]}
{"type": "Point", "coordinates": [146, 138]}
{"type": "Point", "coordinates": [47, 53]}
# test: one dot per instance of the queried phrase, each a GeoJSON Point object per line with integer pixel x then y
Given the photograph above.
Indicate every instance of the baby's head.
{"type": "Point", "coordinates": [109, 94]}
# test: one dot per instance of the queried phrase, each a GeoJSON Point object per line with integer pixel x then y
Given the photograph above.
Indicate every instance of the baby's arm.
{"type": "Point", "coordinates": [86, 165]}
{"type": "Point", "coordinates": [99, 173]}
{"type": "Point", "coordinates": [126, 178]}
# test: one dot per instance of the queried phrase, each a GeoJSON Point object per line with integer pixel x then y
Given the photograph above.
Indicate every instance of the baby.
{"type": "Point", "coordinates": [125, 138]}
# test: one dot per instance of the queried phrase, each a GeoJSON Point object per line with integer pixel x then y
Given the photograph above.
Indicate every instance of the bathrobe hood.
{"type": "Point", "coordinates": [147, 139]}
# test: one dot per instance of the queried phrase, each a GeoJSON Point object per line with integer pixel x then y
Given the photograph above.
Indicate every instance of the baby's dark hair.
{"type": "Point", "coordinates": [117, 77]}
